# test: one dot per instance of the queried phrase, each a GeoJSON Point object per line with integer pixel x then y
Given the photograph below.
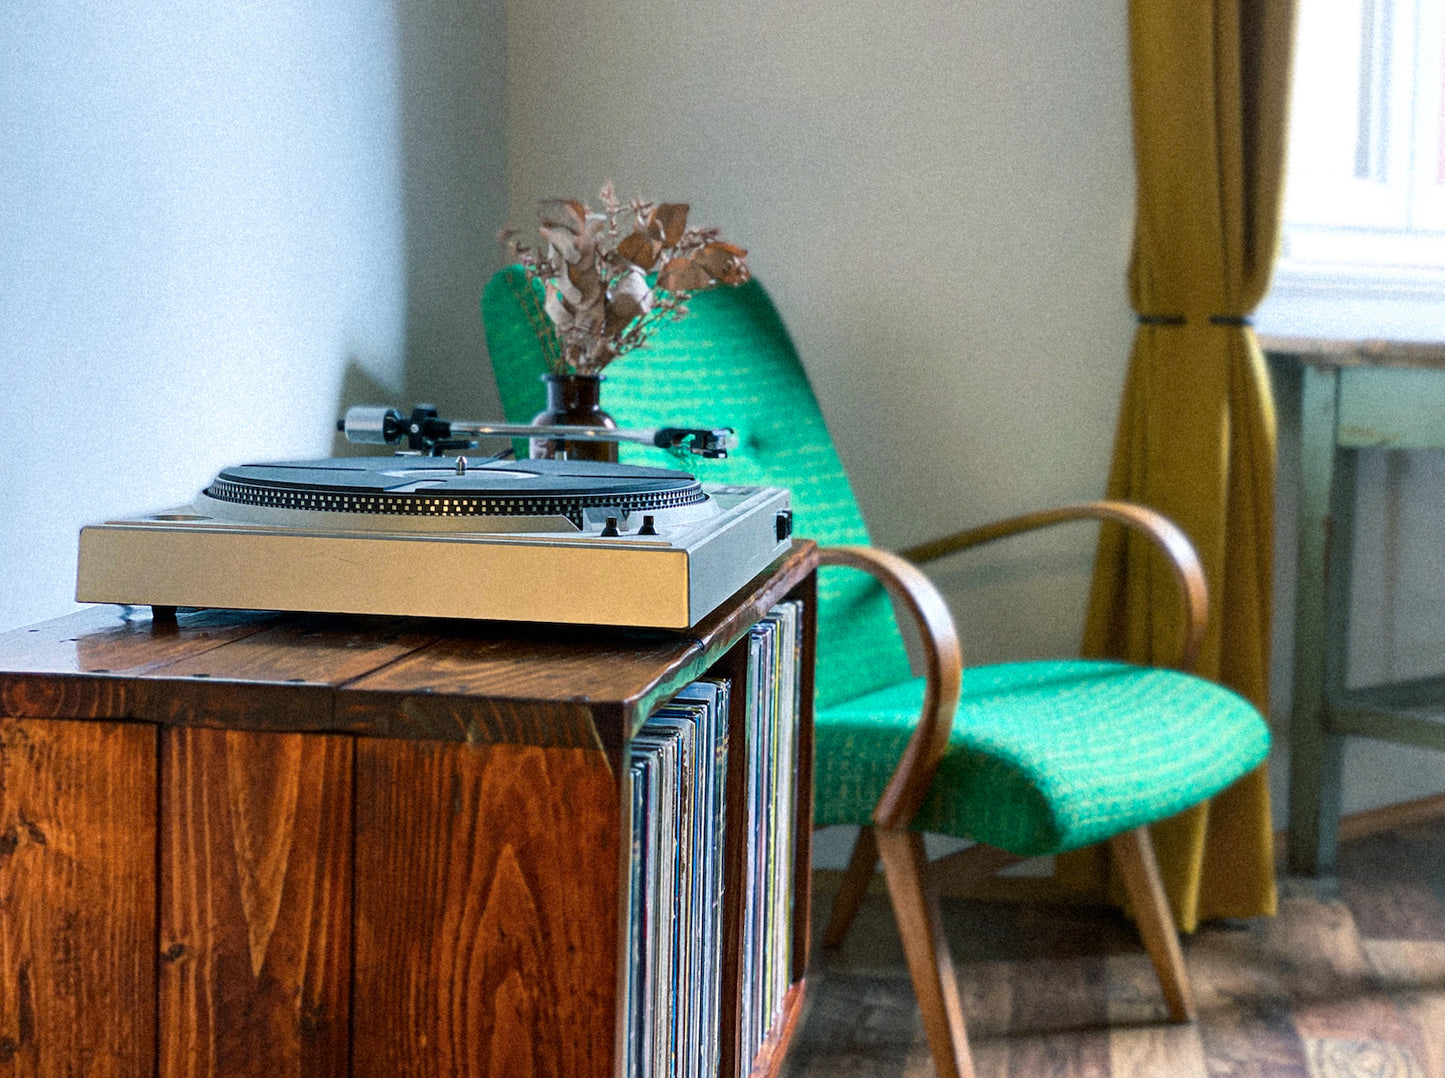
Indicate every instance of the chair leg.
{"type": "Point", "coordinates": [1133, 852]}
{"type": "Point", "coordinates": [856, 878]}
{"type": "Point", "coordinates": [905, 868]}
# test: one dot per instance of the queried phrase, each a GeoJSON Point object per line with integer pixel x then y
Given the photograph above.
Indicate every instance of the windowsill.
{"type": "Point", "coordinates": [1354, 303]}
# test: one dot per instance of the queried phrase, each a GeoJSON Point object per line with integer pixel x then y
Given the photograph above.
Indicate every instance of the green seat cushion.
{"type": "Point", "coordinates": [1045, 756]}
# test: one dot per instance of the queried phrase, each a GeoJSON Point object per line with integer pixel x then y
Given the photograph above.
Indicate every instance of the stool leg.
{"type": "Point", "coordinates": [905, 867]}
{"type": "Point", "coordinates": [1134, 854]}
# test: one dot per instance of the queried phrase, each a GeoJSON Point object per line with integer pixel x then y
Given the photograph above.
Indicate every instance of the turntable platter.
{"type": "Point", "coordinates": [453, 487]}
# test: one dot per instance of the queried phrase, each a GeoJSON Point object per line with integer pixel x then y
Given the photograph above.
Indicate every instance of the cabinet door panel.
{"type": "Point", "coordinates": [255, 904]}
{"type": "Point", "coordinates": [486, 921]}
{"type": "Point", "coordinates": [77, 898]}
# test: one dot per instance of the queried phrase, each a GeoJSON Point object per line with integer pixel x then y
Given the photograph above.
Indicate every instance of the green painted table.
{"type": "Point", "coordinates": [1337, 398]}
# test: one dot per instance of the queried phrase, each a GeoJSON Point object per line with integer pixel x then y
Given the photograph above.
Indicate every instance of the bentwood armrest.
{"type": "Point", "coordinates": [1158, 529]}
{"type": "Point", "coordinates": [943, 673]}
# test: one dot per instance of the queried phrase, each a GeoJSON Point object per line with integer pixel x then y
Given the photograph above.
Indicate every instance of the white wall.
{"type": "Point", "coordinates": [219, 224]}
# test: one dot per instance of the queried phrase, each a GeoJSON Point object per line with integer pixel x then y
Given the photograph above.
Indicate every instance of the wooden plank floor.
{"type": "Point", "coordinates": [1345, 987]}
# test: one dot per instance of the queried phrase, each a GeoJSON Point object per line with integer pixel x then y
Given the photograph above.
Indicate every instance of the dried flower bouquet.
{"type": "Point", "coordinates": [605, 293]}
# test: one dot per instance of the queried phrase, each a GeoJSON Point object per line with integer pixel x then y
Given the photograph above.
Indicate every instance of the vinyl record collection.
{"type": "Point", "coordinates": [674, 940]}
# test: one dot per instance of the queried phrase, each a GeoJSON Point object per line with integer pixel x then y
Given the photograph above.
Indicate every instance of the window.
{"type": "Point", "coordinates": [1365, 192]}
{"type": "Point", "coordinates": [1367, 164]}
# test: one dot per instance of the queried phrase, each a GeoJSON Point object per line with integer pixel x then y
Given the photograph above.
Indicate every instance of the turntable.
{"type": "Point", "coordinates": [553, 540]}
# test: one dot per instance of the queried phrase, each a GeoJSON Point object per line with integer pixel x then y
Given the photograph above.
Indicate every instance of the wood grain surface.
{"type": "Point", "coordinates": [86, 665]}
{"type": "Point", "coordinates": [486, 911]}
{"type": "Point", "coordinates": [1332, 987]}
{"type": "Point", "coordinates": [473, 685]}
{"type": "Point", "coordinates": [773, 1051]}
{"type": "Point", "coordinates": [283, 678]}
{"type": "Point", "coordinates": [478, 688]}
{"type": "Point", "coordinates": [77, 899]}
{"type": "Point", "coordinates": [733, 665]}
{"type": "Point", "coordinates": [1134, 1003]}
{"type": "Point", "coordinates": [255, 933]}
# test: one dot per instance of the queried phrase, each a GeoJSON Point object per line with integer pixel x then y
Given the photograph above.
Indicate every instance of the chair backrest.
{"type": "Point", "coordinates": [730, 363]}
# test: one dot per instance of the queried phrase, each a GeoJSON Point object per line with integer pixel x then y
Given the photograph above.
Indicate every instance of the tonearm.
{"type": "Point", "coordinates": [424, 432]}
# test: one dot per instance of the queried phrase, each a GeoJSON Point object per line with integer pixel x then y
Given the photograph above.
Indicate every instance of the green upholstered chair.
{"type": "Point", "coordinates": [1026, 758]}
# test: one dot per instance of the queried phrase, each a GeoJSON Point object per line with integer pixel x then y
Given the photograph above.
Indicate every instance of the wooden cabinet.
{"type": "Point", "coordinates": [321, 845]}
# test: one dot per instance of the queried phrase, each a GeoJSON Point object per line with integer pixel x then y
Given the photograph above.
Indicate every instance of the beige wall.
{"type": "Point", "coordinates": [939, 197]}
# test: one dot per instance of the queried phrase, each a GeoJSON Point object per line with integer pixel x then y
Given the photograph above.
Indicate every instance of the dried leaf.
{"type": "Point", "coordinates": [683, 275]}
{"type": "Point", "coordinates": [557, 308]}
{"type": "Point", "coordinates": [638, 249]}
{"type": "Point", "coordinates": [564, 242]}
{"type": "Point", "coordinates": [618, 318]}
{"type": "Point", "coordinates": [730, 248]}
{"type": "Point", "coordinates": [672, 216]}
{"type": "Point", "coordinates": [633, 286]}
{"type": "Point", "coordinates": [630, 298]}
{"type": "Point", "coordinates": [723, 262]}
{"type": "Point", "coordinates": [587, 281]}
{"type": "Point", "coordinates": [565, 213]}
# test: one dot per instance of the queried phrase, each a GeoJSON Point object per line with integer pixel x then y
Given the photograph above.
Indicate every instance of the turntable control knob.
{"type": "Point", "coordinates": [609, 530]}
{"type": "Point", "coordinates": [461, 465]}
{"type": "Point", "coordinates": [649, 526]}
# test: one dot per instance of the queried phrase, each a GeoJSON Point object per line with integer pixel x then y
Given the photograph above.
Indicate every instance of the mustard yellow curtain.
{"type": "Point", "coordinates": [1196, 435]}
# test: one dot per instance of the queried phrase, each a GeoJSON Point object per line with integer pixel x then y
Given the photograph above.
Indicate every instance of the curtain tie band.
{"type": "Point", "coordinates": [1179, 320]}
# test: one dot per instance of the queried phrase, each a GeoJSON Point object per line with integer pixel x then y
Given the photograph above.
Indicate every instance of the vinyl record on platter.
{"type": "Point", "coordinates": [451, 486]}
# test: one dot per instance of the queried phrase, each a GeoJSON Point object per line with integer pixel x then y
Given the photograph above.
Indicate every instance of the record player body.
{"type": "Point", "coordinates": [550, 541]}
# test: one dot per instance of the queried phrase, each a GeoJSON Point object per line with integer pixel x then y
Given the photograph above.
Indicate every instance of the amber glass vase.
{"type": "Point", "coordinates": [573, 400]}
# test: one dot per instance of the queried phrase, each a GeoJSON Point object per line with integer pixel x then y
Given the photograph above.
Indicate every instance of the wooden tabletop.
{"type": "Point", "coordinates": [377, 676]}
